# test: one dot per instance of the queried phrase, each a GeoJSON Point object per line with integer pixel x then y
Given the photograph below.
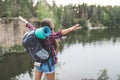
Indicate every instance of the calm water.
{"type": "Point", "coordinates": [82, 55]}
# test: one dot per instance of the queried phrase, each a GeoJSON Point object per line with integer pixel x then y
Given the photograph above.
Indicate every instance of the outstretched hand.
{"type": "Point", "coordinates": [21, 18]}
{"type": "Point", "coordinates": [75, 27]}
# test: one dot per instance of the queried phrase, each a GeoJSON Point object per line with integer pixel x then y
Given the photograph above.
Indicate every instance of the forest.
{"type": "Point", "coordinates": [63, 16]}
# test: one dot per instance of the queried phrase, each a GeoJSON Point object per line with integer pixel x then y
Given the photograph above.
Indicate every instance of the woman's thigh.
{"type": "Point", "coordinates": [50, 76]}
{"type": "Point", "coordinates": [37, 75]}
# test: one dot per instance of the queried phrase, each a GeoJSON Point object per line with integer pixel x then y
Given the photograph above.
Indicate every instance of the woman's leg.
{"type": "Point", "coordinates": [37, 75]}
{"type": "Point", "coordinates": [50, 76]}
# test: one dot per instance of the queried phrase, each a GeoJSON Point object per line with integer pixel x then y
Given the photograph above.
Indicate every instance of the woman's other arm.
{"type": "Point", "coordinates": [63, 32]}
{"type": "Point", "coordinates": [73, 28]}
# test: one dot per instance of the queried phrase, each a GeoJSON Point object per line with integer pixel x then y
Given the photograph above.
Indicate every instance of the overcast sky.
{"type": "Point", "coordinates": [89, 2]}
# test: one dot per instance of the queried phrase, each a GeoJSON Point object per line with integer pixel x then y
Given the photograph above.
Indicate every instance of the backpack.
{"type": "Point", "coordinates": [34, 47]}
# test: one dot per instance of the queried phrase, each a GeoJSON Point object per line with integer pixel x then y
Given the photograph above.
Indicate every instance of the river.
{"type": "Point", "coordinates": [82, 56]}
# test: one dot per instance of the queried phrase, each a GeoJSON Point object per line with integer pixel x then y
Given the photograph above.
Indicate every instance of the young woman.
{"type": "Point", "coordinates": [50, 44]}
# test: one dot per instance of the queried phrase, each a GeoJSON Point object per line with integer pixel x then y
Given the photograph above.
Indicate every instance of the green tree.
{"type": "Point", "coordinates": [24, 8]}
{"type": "Point", "coordinates": [116, 16]}
{"type": "Point", "coordinates": [83, 22]}
{"type": "Point", "coordinates": [118, 77]}
{"type": "Point", "coordinates": [7, 12]}
{"type": "Point", "coordinates": [58, 15]}
{"type": "Point", "coordinates": [103, 75]}
{"type": "Point", "coordinates": [1, 10]}
{"type": "Point", "coordinates": [68, 16]}
{"type": "Point", "coordinates": [104, 17]}
{"type": "Point", "coordinates": [14, 8]}
{"type": "Point", "coordinates": [43, 10]}
{"type": "Point", "coordinates": [94, 20]}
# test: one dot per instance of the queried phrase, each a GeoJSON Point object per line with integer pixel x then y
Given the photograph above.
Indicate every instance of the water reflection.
{"type": "Point", "coordinates": [14, 64]}
{"type": "Point", "coordinates": [86, 53]}
{"type": "Point", "coordinates": [91, 37]}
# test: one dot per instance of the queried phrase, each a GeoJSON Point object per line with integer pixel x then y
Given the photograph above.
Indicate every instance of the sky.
{"type": "Point", "coordinates": [89, 2]}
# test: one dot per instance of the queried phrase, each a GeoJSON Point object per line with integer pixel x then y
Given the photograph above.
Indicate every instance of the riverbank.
{"type": "Point", "coordinates": [12, 49]}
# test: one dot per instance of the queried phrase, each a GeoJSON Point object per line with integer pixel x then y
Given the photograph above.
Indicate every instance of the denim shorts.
{"type": "Point", "coordinates": [44, 68]}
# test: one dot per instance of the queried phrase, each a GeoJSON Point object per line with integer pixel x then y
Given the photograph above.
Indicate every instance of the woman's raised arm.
{"type": "Point", "coordinates": [30, 26]}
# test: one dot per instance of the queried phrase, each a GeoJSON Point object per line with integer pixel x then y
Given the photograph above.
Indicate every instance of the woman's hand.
{"type": "Point", "coordinates": [22, 19]}
{"type": "Point", "coordinates": [75, 27]}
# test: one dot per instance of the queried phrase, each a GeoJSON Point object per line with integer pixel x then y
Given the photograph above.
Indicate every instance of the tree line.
{"type": "Point", "coordinates": [66, 16]}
